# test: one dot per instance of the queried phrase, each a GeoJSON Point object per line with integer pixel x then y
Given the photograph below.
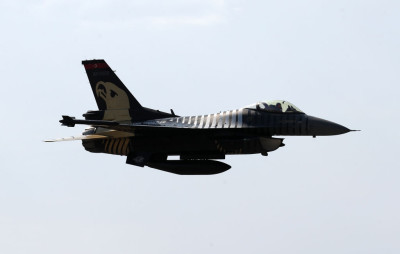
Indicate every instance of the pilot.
{"type": "Point", "coordinates": [273, 108]}
{"type": "Point", "coordinates": [279, 107]}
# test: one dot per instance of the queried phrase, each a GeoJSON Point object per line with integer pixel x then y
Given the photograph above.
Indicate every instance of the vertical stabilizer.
{"type": "Point", "coordinates": [108, 89]}
{"type": "Point", "coordinates": [113, 99]}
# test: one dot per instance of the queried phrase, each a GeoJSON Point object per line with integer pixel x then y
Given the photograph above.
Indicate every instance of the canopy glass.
{"type": "Point", "coordinates": [276, 106]}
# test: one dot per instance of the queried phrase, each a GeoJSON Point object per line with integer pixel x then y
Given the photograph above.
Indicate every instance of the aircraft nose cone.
{"type": "Point", "coordinates": [321, 127]}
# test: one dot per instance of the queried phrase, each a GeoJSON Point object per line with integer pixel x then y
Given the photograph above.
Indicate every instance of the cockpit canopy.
{"type": "Point", "coordinates": [277, 106]}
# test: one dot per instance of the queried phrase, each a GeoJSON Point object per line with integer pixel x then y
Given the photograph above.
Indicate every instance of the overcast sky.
{"type": "Point", "coordinates": [338, 60]}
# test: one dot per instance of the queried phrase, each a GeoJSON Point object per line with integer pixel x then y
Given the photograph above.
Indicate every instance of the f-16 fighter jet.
{"type": "Point", "coordinates": [122, 126]}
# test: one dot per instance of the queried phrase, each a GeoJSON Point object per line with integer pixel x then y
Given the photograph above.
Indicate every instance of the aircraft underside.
{"type": "Point", "coordinates": [194, 152]}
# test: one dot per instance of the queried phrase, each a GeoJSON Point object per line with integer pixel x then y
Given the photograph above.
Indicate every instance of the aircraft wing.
{"type": "Point", "coordinates": [136, 128]}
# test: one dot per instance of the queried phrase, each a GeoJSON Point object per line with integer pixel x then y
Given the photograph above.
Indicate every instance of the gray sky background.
{"type": "Point", "coordinates": [338, 60]}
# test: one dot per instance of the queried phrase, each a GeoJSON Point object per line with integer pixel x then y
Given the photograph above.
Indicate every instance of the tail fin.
{"type": "Point", "coordinates": [108, 89]}
{"type": "Point", "coordinates": [113, 99]}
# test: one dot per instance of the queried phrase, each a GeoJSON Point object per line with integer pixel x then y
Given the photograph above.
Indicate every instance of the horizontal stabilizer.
{"type": "Point", "coordinates": [72, 138]}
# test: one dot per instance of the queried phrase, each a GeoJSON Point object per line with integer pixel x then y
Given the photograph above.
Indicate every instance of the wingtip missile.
{"type": "Point", "coordinates": [70, 121]}
{"type": "Point", "coordinates": [67, 121]}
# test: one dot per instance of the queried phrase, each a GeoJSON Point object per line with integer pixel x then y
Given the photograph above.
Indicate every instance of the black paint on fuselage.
{"type": "Point", "coordinates": [122, 126]}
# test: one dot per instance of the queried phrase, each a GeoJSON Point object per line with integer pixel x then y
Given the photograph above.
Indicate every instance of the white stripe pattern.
{"type": "Point", "coordinates": [240, 118]}
{"type": "Point", "coordinates": [201, 122]}
{"type": "Point", "coordinates": [208, 121]}
{"type": "Point", "coordinates": [220, 120]}
{"type": "Point", "coordinates": [233, 121]}
{"type": "Point", "coordinates": [214, 120]}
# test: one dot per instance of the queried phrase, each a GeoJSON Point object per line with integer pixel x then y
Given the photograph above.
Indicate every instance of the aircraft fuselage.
{"type": "Point", "coordinates": [122, 126]}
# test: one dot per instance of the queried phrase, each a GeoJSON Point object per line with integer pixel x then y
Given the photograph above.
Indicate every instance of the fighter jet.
{"type": "Point", "coordinates": [147, 137]}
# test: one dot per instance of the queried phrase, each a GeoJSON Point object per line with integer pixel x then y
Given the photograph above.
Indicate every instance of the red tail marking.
{"type": "Point", "coordinates": [96, 66]}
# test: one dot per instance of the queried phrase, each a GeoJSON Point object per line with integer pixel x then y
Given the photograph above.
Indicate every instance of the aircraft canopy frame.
{"type": "Point", "coordinates": [276, 106]}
